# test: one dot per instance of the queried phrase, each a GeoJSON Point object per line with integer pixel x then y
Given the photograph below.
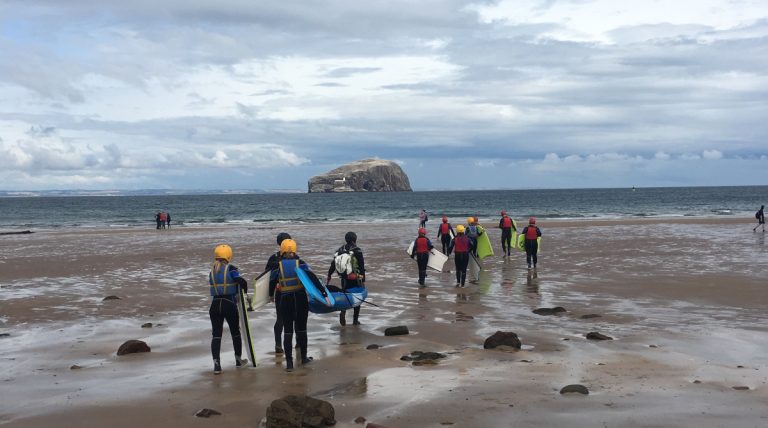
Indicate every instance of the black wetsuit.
{"type": "Point", "coordinates": [422, 258]}
{"type": "Point", "coordinates": [461, 246]}
{"type": "Point", "coordinates": [531, 246]}
{"type": "Point", "coordinates": [346, 283]}
{"type": "Point", "coordinates": [274, 293]}
{"type": "Point", "coordinates": [293, 308]}
{"type": "Point", "coordinates": [225, 308]}
{"type": "Point", "coordinates": [445, 238]}
{"type": "Point", "coordinates": [506, 236]}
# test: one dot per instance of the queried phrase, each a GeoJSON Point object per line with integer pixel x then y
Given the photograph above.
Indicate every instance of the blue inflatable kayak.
{"type": "Point", "coordinates": [343, 300]}
{"type": "Point", "coordinates": [314, 288]}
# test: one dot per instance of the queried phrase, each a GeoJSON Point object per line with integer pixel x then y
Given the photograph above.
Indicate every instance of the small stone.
{"type": "Point", "coordinates": [590, 316]}
{"type": "Point", "coordinates": [207, 413]}
{"type": "Point", "coordinates": [425, 363]}
{"type": "Point", "coordinates": [75, 367]}
{"type": "Point", "coordinates": [359, 420]}
{"type": "Point", "coordinates": [696, 381]}
{"type": "Point", "coordinates": [741, 388]}
{"type": "Point", "coordinates": [133, 347]}
{"type": "Point", "coordinates": [110, 298]}
{"type": "Point", "coordinates": [423, 356]}
{"type": "Point", "coordinates": [501, 338]}
{"type": "Point", "coordinates": [5, 334]}
{"type": "Point", "coordinates": [652, 346]}
{"type": "Point", "coordinates": [739, 367]}
{"type": "Point", "coordinates": [396, 331]}
{"type": "Point", "coordinates": [579, 389]}
{"type": "Point", "coordinates": [372, 425]}
{"type": "Point", "coordinates": [300, 411]}
{"type": "Point", "coordinates": [598, 336]}
{"type": "Point", "coordinates": [373, 346]}
{"type": "Point", "coordinates": [549, 311]}
{"type": "Point", "coordinates": [146, 325]}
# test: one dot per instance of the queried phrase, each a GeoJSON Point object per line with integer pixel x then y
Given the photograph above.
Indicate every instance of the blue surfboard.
{"type": "Point", "coordinates": [313, 286]}
{"type": "Point", "coordinates": [343, 300]}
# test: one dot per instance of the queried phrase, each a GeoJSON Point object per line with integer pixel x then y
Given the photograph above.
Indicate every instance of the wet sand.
{"type": "Point", "coordinates": [684, 300]}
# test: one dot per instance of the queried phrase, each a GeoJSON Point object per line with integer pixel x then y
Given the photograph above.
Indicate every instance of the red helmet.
{"type": "Point", "coordinates": [422, 231]}
{"type": "Point", "coordinates": [503, 212]}
{"type": "Point", "coordinates": [532, 220]}
{"type": "Point", "coordinates": [445, 219]}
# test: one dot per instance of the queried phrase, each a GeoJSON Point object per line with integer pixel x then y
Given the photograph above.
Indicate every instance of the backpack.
{"type": "Point", "coordinates": [345, 261]}
{"type": "Point", "coordinates": [757, 215]}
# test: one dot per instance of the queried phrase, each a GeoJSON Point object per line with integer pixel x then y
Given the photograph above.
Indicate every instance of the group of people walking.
{"type": "Point", "coordinates": [285, 290]}
{"type": "Point", "coordinates": [463, 242]}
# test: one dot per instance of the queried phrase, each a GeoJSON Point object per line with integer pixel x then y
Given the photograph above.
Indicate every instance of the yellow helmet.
{"type": "Point", "coordinates": [223, 251]}
{"type": "Point", "coordinates": [470, 220]}
{"type": "Point", "coordinates": [288, 246]}
{"type": "Point", "coordinates": [460, 228]}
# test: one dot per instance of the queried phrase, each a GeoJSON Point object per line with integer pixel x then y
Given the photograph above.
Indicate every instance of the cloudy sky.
{"type": "Point", "coordinates": [242, 94]}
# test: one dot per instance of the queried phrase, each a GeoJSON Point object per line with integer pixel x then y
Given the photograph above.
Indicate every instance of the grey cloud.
{"type": "Point", "coordinates": [330, 85]}
{"type": "Point", "coordinates": [350, 71]}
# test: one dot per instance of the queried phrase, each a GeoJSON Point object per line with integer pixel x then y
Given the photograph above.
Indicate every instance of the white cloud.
{"type": "Point", "coordinates": [712, 154]}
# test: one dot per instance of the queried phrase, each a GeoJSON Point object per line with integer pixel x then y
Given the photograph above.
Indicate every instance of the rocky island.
{"type": "Point", "coordinates": [367, 175]}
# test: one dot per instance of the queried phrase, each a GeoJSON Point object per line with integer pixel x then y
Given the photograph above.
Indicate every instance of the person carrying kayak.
{"type": "Point", "coordinates": [274, 293]}
{"type": "Point", "coordinates": [352, 274]}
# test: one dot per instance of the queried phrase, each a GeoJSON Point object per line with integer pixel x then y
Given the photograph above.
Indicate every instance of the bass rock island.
{"type": "Point", "coordinates": [367, 175]}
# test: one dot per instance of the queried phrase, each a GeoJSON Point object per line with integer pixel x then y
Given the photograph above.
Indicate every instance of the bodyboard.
{"type": "Point", "coordinates": [260, 290]}
{"type": "Point", "coordinates": [313, 286]}
{"type": "Point", "coordinates": [245, 326]}
{"type": "Point", "coordinates": [343, 300]}
{"type": "Point", "coordinates": [436, 258]}
{"type": "Point", "coordinates": [521, 243]}
{"type": "Point", "coordinates": [484, 248]}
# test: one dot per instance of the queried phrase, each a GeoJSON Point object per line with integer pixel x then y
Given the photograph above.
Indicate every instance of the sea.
{"type": "Point", "coordinates": [138, 211]}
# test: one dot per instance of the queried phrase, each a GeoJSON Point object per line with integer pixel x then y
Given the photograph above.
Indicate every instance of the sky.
{"type": "Point", "coordinates": [507, 94]}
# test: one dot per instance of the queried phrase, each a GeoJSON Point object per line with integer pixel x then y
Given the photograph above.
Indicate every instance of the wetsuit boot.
{"type": "Point", "coordinates": [301, 338]}
{"type": "Point", "coordinates": [343, 317]}
{"type": "Point", "coordinates": [356, 316]}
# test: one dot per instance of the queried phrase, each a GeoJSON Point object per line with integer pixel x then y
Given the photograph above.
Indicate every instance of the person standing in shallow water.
{"type": "Point", "coordinates": [444, 234]}
{"type": "Point", "coordinates": [460, 247]}
{"type": "Point", "coordinates": [423, 218]}
{"type": "Point", "coordinates": [532, 234]}
{"type": "Point", "coordinates": [760, 216]}
{"type": "Point", "coordinates": [353, 275]}
{"type": "Point", "coordinates": [274, 293]}
{"type": "Point", "coordinates": [225, 283]}
{"type": "Point", "coordinates": [421, 247]}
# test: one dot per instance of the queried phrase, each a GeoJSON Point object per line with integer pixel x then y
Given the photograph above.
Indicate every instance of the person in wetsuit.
{"type": "Point", "coordinates": [355, 278]}
{"type": "Point", "coordinates": [460, 247]}
{"type": "Point", "coordinates": [225, 282]}
{"type": "Point", "coordinates": [507, 226]}
{"type": "Point", "coordinates": [293, 305]}
{"type": "Point", "coordinates": [760, 216]}
{"type": "Point", "coordinates": [421, 247]}
{"type": "Point", "coordinates": [274, 293]}
{"type": "Point", "coordinates": [444, 234]}
{"type": "Point", "coordinates": [531, 233]}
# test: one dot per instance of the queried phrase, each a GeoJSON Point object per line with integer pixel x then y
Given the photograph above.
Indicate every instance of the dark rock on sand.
{"type": "Point", "coordinates": [300, 411]}
{"type": "Point", "coordinates": [133, 347]}
{"type": "Point", "coordinates": [423, 357]}
{"type": "Point", "coordinates": [396, 331]}
{"type": "Point", "coordinates": [741, 388]}
{"type": "Point", "coordinates": [372, 425]}
{"type": "Point", "coordinates": [590, 316]}
{"type": "Point", "coordinates": [598, 336]}
{"type": "Point", "coordinates": [207, 413]}
{"type": "Point", "coordinates": [5, 334]}
{"type": "Point", "coordinates": [110, 298]}
{"type": "Point", "coordinates": [373, 346]}
{"type": "Point", "coordinates": [75, 367]}
{"type": "Point", "coordinates": [501, 338]}
{"type": "Point", "coordinates": [367, 175]}
{"type": "Point", "coordinates": [146, 325]}
{"type": "Point", "coordinates": [23, 232]}
{"type": "Point", "coordinates": [549, 311]}
{"type": "Point", "coordinates": [360, 420]}
{"type": "Point", "coordinates": [579, 389]}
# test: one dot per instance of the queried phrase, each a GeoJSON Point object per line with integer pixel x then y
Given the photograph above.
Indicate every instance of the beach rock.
{"type": "Point", "coordinates": [367, 175]}
{"type": "Point", "coordinates": [396, 331]}
{"type": "Point", "coordinates": [359, 420]}
{"type": "Point", "coordinates": [75, 367]}
{"type": "Point", "coordinates": [110, 298]}
{"type": "Point", "coordinates": [5, 334]}
{"type": "Point", "coordinates": [590, 316]}
{"type": "Point", "coordinates": [579, 389]}
{"type": "Point", "coordinates": [207, 413]}
{"type": "Point", "coordinates": [133, 347]}
{"type": "Point", "coordinates": [146, 325]}
{"type": "Point", "coordinates": [372, 425]}
{"type": "Point", "coordinates": [501, 338]}
{"type": "Point", "coordinates": [549, 311]}
{"type": "Point", "coordinates": [741, 388]}
{"type": "Point", "coordinates": [373, 346]}
{"type": "Point", "coordinates": [417, 356]}
{"type": "Point", "coordinates": [300, 411]}
{"type": "Point", "coordinates": [23, 232]}
{"type": "Point", "coordinates": [598, 336]}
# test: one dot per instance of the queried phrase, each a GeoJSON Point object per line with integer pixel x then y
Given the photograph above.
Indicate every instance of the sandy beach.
{"type": "Point", "coordinates": [683, 299]}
